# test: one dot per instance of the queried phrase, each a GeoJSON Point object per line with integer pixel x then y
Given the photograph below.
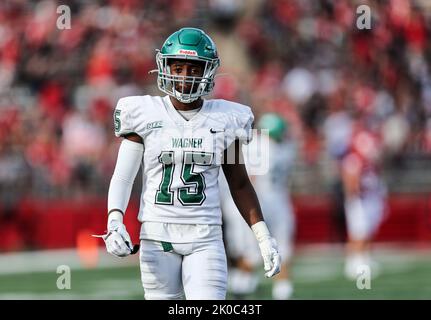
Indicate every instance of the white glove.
{"type": "Point", "coordinates": [268, 249]}
{"type": "Point", "coordinates": [118, 242]}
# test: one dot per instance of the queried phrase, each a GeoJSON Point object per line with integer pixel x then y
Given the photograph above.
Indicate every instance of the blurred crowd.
{"type": "Point", "coordinates": [305, 59]}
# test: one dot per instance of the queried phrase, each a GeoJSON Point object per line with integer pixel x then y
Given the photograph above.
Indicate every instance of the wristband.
{"type": "Point", "coordinates": [261, 231]}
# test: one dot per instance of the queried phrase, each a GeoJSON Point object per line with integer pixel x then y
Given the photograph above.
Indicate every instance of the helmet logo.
{"type": "Point", "coordinates": [188, 52]}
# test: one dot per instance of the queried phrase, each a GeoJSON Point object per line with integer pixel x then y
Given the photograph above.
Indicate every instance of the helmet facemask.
{"type": "Point", "coordinates": [200, 86]}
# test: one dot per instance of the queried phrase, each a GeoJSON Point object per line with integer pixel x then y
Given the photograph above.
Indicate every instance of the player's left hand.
{"type": "Point", "coordinates": [271, 257]}
{"type": "Point", "coordinates": [268, 249]}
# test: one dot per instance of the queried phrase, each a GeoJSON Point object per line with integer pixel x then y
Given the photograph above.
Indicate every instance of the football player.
{"type": "Point", "coordinates": [364, 198]}
{"type": "Point", "coordinates": [276, 205]}
{"type": "Point", "coordinates": [272, 188]}
{"type": "Point", "coordinates": [181, 140]}
{"type": "Point", "coordinates": [241, 246]}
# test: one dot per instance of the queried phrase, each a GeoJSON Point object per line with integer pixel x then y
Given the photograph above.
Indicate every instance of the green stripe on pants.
{"type": "Point", "coordinates": [167, 246]}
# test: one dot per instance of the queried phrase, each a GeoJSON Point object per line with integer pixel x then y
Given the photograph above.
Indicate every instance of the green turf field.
{"type": "Point", "coordinates": [404, 274]}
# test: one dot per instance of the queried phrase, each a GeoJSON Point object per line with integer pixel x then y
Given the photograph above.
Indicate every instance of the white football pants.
{"type": "Point", "coordinates": [197, 270]}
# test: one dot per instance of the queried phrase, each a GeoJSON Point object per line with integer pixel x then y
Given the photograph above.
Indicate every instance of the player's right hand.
{"type": "Point", "coordinates": [117, 240]}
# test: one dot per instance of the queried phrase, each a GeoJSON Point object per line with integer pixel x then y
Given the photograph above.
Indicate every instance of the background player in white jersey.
{"type": "Point", "coordinates": [272, 189]}
{"type": "Point", "coordinates": [180, 141]}
{"type": "Point", "coordinates": [241, 246]}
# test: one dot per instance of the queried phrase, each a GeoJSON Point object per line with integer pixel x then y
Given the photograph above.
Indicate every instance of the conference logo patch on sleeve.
{"type": "Point", "coordinates": [154, 125]}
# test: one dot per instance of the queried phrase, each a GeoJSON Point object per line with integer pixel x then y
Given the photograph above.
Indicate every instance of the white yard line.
{"type": "Point", "coordinates": [49, 260]}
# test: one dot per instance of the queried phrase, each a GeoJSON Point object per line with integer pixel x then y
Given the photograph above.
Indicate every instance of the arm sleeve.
{"type": "Point", "coordinates": [127, 166]}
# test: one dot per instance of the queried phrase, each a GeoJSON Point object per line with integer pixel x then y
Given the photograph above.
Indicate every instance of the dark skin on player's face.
{"type": "Point", "coordinates": [189, 69]}
{"type": "Point", "coordinates": [180, 68]}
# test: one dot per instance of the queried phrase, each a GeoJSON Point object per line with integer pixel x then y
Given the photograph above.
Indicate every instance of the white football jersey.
{"type": "Point", "coordinates": [181, 158]}
{"type": "Point", "coordinates": [280, 161]}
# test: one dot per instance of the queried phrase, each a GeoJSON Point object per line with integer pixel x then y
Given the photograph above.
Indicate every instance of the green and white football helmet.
{"type": "Point", "coordinates": [188, 44]}
{"type": "Point", "coordinates": [275, 124]}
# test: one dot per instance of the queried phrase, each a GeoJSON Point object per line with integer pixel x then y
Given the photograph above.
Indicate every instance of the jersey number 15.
{"type": "Point", "coordinates": [193, 192]}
